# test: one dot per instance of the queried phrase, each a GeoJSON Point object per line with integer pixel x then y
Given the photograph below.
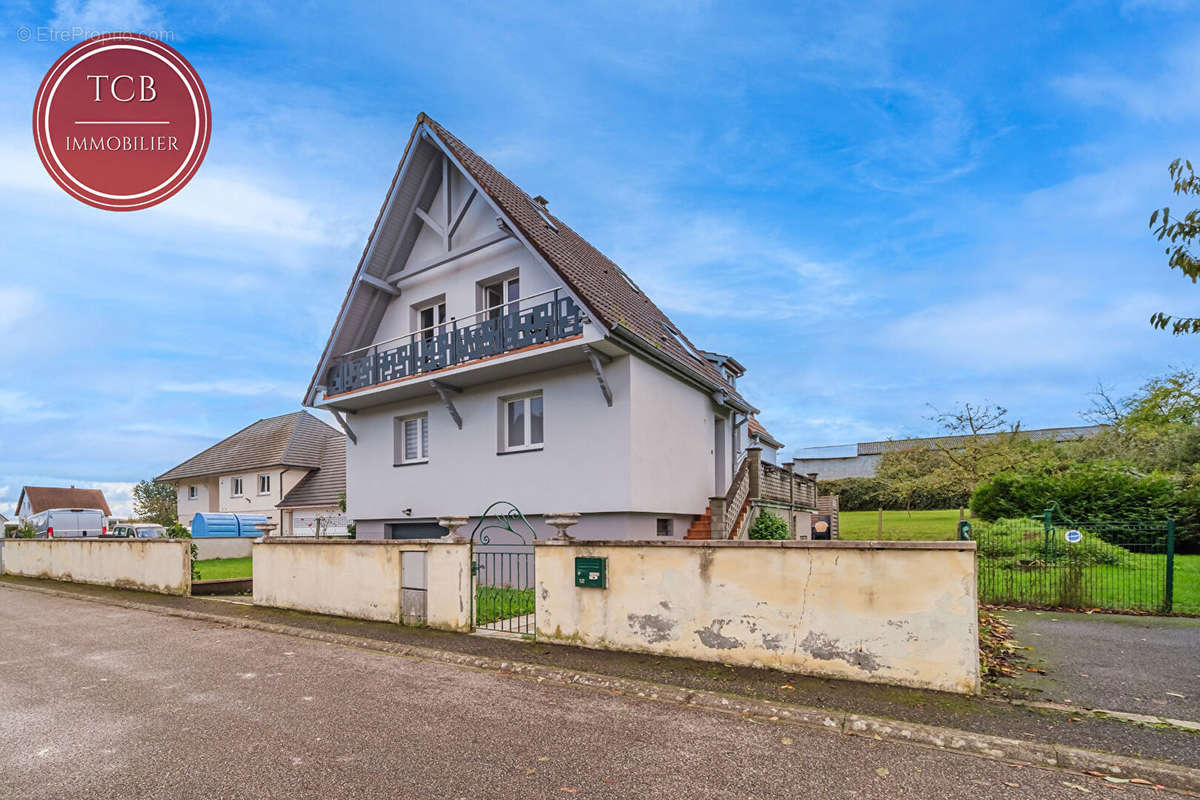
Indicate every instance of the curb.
{"type": "Point", "coordinates": [1016, 751]}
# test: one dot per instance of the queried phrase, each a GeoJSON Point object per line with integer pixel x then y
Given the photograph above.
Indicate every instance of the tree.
{"type": "Point", "coordinates": [155, 502]}
{"type": "Point", "coordinates": [1179, 235]}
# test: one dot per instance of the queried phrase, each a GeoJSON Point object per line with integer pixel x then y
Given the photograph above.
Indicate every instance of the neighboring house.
{"type": "Point", "coordinates": [254, 470]}
{"type": "Point", "coordinates": [862, 459]}
{"type": "Point", "coordinates": [313, 508]}
{"type": "Point", "coordinates": [36, 499]}
{"type": "Point", "coordinates": [484, 351]}
{"type": "Point", "coordinates": [758, 437]}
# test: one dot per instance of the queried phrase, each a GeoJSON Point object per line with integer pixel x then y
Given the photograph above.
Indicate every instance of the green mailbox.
{"type": "Point", "coordinates": [591, 571]}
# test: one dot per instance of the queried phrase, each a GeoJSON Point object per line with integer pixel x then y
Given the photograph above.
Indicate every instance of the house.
{"type": "Point", "coordinates": [862, 459]}
{"type": "Point", "coordinates": [486, 352]}
{"type": "Point", "coordinates": [313, 507]}
{"type": "Point", "coordinates": [36, 499]}
{"type": "Point", "coordinates": [255, 470]}
{"type": "Point", "coordinates": [760, 438]}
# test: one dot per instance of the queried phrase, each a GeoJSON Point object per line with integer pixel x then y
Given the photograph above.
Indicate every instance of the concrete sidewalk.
{"type": "Point", "coordinates": [969, 714]}
{"type": "Point", "coordinates": [1139, 664]}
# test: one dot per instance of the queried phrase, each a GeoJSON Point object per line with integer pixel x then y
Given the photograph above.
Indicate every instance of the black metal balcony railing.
{"type": "Point", "coordinates": [505, 328]}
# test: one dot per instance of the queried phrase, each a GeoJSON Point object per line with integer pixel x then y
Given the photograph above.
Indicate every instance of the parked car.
{"type": "Point", "coordinates": [70, 523]}
{"type": "Point", "coordinates": [140, 530]}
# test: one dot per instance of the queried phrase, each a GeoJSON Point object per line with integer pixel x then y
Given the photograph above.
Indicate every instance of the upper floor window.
{"type": "Point", "coordinates": [235, 487]}
{"type": "Point", "coordinates": [192, 493]}
{"type": "Point", "coordinates": [412, 439]}
{"type": "Point", "coordinates": [495, 295]}
{"type": "Point", "coordinates": [430, 316]}
{"type": "Point", "coordinates": [521, 427]}
{"type": "Point", "coordinates": [264, 484]}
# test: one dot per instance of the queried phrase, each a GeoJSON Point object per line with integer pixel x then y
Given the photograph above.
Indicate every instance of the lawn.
{"type": "Point", "coordinates": [902, 526]}
{"type": "Point", "coordinates": [1137, 586]}
{"type": "Point", "coordinates": [494, 603]}
{"type": "Point", "coordinates": [214, 568]}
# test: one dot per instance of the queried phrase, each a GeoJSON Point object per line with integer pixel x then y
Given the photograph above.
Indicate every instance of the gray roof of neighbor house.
{"type": "Point", "coordinates": [44, 497]}
{"type": "Point", "coordinates": [291, 440]}
{"type": "Point", "coordinates": [599, 283]}
{"type": "Point", "coordinates": [324, 486]}
{"type": "Point", "coordinates": [876, 448]}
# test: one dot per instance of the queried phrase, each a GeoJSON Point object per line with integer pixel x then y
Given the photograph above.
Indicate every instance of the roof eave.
{"type": "Point", "coordinates": [732, 399]}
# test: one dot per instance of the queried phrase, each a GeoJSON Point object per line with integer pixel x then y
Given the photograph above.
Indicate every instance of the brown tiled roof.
{"type": "Point", "coordinates": [291, 440]}
{"type": "Point", "coordinates": [325, 485]}
{"type": "Point", "coordinates": [755, 427]}
{"type": "Point", "coordinates": [599, 282]}
{"type": "Point", "coordinates": [45, 497]}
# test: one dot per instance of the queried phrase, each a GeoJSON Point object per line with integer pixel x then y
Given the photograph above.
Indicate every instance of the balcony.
{"type": "Point", "coordinates": [538, 319]}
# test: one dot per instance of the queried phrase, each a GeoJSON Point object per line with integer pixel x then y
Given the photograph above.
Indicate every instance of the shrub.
{"type": "Point", "coordinates": [25, 531]}
{"type": "Point", "coordinates": [769, 526]}
{"type": "Point", "coordinates": [1015, 541]}
{"type": "Point", "coordinates": [176, 531]}
{"type": "Point", "coordinates": [869, 494]}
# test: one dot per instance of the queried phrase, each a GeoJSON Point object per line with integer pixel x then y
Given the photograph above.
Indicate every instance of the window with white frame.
{"type": "Point", "coordinates": [496, 294]}
{"type": "Point", "coordinates": [521, 422]}
{"type": "Point", "coordinates": [264, 484]}
{"type": "Point", "coordinates": [235, 487]}
{"type": "Point", "coordinates": [412, 439]}
{"type": "Point", "coordinates": [431, 316]}
{"type": "Point", "coordinates": [192, 493]}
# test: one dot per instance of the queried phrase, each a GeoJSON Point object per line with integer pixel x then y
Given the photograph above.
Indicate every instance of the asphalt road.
{"type": "Point", "coordinates": [98, 701]}
{"type": "Point", "coordinates": [1146, 665]}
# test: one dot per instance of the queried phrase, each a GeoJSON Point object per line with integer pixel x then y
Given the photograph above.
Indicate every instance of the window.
{"type": "Point", "coordinates": [412, 440]}
{"type": "Point", "coordinates": [192, 493]}
{"type": "Point", "coordinates": [495, 295]}
{"type": "Point", "coordinates": [521, 425]}
{"type": "Point", "coordinates": [235, 487]}
{"type": "Point", "coordinates": [264, 484]}
{"type": "Point", "coordinates": [430, 316]}
{"type": "Point", "coordinates": [665, 526]}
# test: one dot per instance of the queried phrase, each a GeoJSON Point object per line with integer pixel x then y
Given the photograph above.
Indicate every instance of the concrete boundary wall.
{"type": "Point", "coordinates": [417, 581]}
{"type": "Point", "coordinates": [153, 565]}
{"type": "Point", "coordinates": [885, 612]}
{"type": "Point", "coordinates": [223, 546]}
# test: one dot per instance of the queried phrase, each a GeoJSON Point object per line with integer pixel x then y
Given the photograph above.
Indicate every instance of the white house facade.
{"type": "Point", "coordinates": [486, 352]}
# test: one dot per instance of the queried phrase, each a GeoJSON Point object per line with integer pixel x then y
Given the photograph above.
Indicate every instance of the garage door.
{"type": "Point", "coordinates": [332, 523]}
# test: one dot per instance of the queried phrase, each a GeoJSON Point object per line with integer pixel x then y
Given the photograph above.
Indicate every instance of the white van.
{"type": "Point", "coordinates": [70, 523]}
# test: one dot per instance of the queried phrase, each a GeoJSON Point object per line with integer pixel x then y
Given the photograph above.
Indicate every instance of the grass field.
{"type": "Point", "coordinates": [1137, 587]}
{"type": "Point", "coordinates": [900, 526]}
{"type": "Point", "coordinates": [496, 602]}
{"type": "Point", "coordinates": [214, 568]}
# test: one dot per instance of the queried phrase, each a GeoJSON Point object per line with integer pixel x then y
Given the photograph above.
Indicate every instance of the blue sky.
{"type": "Point", "coordinates": [875, 208]}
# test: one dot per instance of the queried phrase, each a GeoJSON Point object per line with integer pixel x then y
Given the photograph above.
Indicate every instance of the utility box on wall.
{"type": "Point", "coordinates": [591, 572]}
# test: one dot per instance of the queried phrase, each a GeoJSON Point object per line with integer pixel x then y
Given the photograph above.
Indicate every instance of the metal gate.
{"type": "Point", "coordinates": [502, 575]}
{"type": "Point", "coordinates": [1051, 561]}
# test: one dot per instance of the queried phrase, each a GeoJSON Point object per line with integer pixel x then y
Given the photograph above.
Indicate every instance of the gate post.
{"type": "Point", "coordinates": [1169, 587]}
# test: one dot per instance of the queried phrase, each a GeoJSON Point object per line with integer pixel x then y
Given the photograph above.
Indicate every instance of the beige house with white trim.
{"type": "Point", "coordinates": [255, 470]}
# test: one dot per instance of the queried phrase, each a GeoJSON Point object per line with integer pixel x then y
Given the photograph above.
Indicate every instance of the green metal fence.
{"type": "Point", "coordinates": [1049, 561]}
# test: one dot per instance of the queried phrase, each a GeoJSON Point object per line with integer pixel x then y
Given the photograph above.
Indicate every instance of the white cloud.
{"type": "Point", "coordinates": [229, 201]}
{"type": "Point", "coordinates": [1165, 91]}
{"type": "Point", "coordinates": [16, 304]}
{"type": "Point", "coordinates": [232, 386]}
{"type": "Point", "coordinates": [107, 15]}
{"type": "Point", "coordinates": [19, 407]}
{"type": "Point", "coordinates": [685, 264]}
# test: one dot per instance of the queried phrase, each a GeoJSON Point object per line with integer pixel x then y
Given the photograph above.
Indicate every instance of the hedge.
{"type": "Point", "coordinates": [869, 494]}
{"type": "Point", "coordinates": [1094, 492]}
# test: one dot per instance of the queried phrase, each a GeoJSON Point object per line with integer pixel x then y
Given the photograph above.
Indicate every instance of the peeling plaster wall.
{"type": "Point", "coordinates": [152, 565]}
{"type": "Point", "coordinates": [894, 612]}
{"type": "Point", "coordinates": [366, 580]}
